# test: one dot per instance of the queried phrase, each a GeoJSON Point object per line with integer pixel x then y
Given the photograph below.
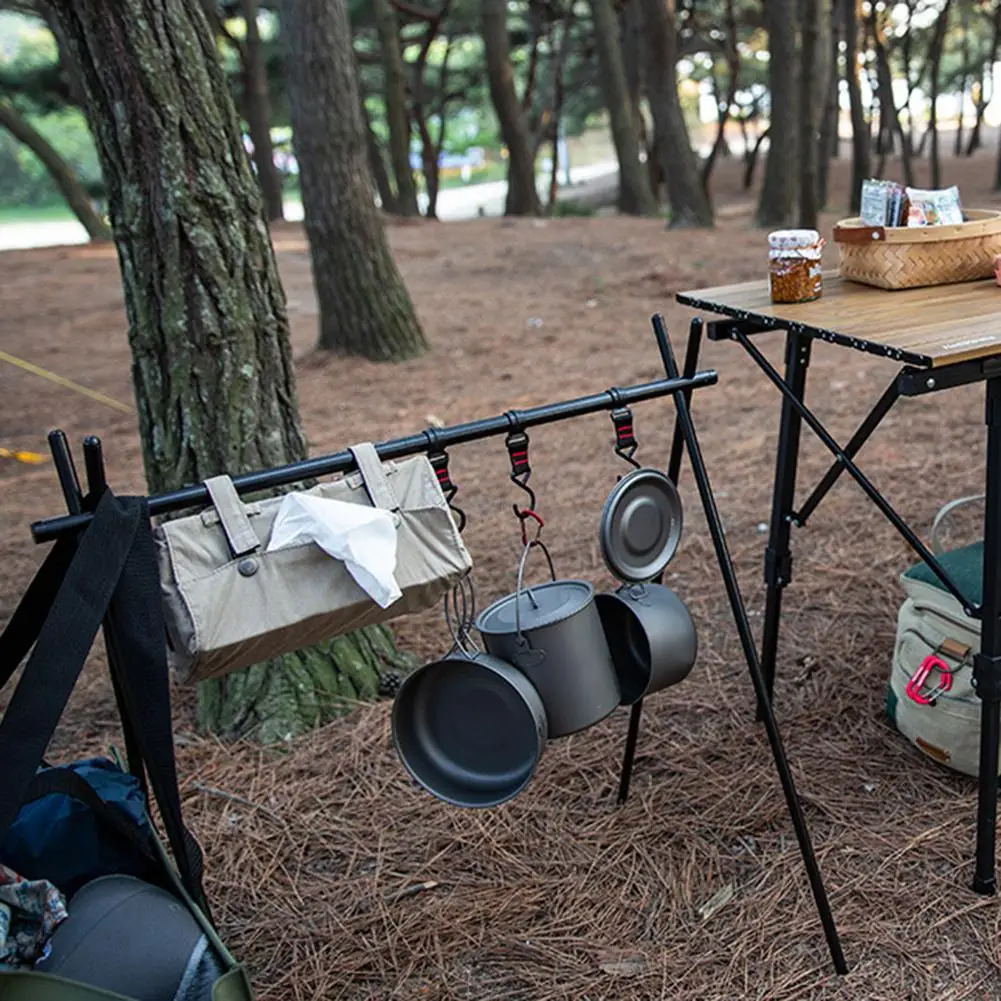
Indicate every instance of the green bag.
{"type": "Point", "coordinates": [107, 576]}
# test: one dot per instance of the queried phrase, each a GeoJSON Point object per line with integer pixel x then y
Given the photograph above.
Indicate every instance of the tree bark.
{"type": "Point", "coordinates": [732, 57]}
{"type": "Point", "coordinates": [365, 309]}
{"type": "Point", "coordinates": [59, 170]}
{"type": "Point", "coordinates": [396, 107]}
{"type": "Point", "coordinates": [257, 108]}
{"type": "Point", "coordinates": [522, 196]}
{"type": "Point", "coordinates": [777, 203]}
{"type": "Point", "coordinates": [935, 62]}
{"type": "Point", "coordinates": [810, 11]}
{"type": "Point", "coordinates": [861, 165]}
{"type": "Point", "coordinates": [635, 193]}
{"type": "Point", "coordinates": [689, 204]}
{"type": "Point", "coordinates": [992, 57]}
{"type": "Point", "coordinates": [211, 361]}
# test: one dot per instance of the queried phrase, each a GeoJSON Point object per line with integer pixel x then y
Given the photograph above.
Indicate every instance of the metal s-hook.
{"type": "Point", "coordinates": [438, 458]}
{"type": "Point", "coordinates": [517, 450]}
{"type": "Point", "coordinates": [625, 439]}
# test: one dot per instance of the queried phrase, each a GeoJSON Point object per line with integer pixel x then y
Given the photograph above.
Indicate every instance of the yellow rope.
{"type": "Point", "coordinates": [60, 380]}
{"type": "Point", "coordinates": [32, 458]}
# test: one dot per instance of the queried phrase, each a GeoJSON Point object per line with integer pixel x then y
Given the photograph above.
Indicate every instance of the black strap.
{"type": "Point", "coordinates": [137, 655]}
{"type": "Point", "coordinates": [25, 624]}
{"type": "Point", "coordinates": [67, 635]}
{"type": "Point", "coordinates": [66, 782]}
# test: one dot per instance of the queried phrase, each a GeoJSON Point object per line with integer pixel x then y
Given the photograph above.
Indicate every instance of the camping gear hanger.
{"type": "Point", "coordinates": [521, 471]}
{"type": "Point", "coordinates": [515, 423]}
{"type": "Point", "coordinates": [625, 438]}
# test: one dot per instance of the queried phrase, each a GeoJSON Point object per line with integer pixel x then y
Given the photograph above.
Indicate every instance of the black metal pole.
{"type": "Point", "coordinates": [340, 462]}
{"type": "Point", "coordinates": [860, 478]}
{"type": "Point", "coordinates": [69, 482]}
{"type": "Point", "coordinates": [778, 556]}
{"type": "Point", "coordinates": [750, 653]}
{"type": "Point", "coordinates": [987, 664]}
{"type": "Point", "coordinates": [673, 471]}
{"type": "Point", "coordinates": [865, 431]}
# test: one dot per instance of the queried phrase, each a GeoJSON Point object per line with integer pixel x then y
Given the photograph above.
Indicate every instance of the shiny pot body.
{"type": "Point", "coordinates": [651, 636]}
{"type": "Point", "coordinates": [470, 728]}
{"type": "Point", "coordinates": [561, 648]}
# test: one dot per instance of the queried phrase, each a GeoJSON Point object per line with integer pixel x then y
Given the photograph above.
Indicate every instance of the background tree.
{"type": "Point", "coordinates": [860, 127]}
{"type": "Point", "coordinates": [810, 76]}
{"type": "Point", "coordinates": [635, 194]}
{"type": "Point", "coordinates": [212, 365]}
{"type": "Point", "coordinates": [776, 204]}
{"type": "Point", "coordinates": [365, 309]}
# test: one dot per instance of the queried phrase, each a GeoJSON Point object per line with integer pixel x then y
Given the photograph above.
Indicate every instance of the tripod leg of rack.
{"type": "Point", "coordinates": [673, 469]}
{"type": "Point", "coordinates": [62, 458]}
{"type": "Point", "coordinates": [751, 655]}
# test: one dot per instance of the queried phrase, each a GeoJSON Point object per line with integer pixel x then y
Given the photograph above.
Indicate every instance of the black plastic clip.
{"type": "Point", "coordinates": [625, 439]}
{"type": "Point", "coordinates": [521, 469]}
{"type": "Point", "coordinates": [439, 463]}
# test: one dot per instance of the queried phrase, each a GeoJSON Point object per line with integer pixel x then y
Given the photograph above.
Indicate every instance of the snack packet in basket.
{"type": "Point", "coordinates": [940, 207]}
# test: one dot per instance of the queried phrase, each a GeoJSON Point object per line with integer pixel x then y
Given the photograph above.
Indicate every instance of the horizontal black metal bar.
{"type": "Point", "coordinates": [762, 322]}
{"type": "Point", "coordinates": [865, 430]}
{"type": "Point", "coordinates": [917, 382]}
{"type": "Point", "coordinates": [431, 438]}
{"type": "Point", "coordinates": [863, 481]}
{"type": "Point", "coordinates": [723, 330]}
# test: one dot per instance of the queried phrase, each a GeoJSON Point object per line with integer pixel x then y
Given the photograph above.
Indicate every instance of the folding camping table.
{"type": "Point", "coordinates": [942, 337]}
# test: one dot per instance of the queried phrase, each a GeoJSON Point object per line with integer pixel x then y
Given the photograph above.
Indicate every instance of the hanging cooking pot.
{"type": "Point", "coordinates": [469, 728]}
{"type": "Point", "coordinates": [651, 636]}
{"type": "Point", "coordinates": [649, 629]}
{"type": "Point", "coordinates": [552, 632]}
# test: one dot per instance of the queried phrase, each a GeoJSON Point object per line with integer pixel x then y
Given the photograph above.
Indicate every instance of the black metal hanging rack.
{"type": "Point", "coordinates": [678, 385]}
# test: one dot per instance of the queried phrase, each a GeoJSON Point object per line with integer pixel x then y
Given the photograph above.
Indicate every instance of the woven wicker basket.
{"type": "Point", "coordinates": [896, 257]}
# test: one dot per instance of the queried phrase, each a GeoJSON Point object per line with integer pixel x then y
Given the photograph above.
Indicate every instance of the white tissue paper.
{"type": "Point", "coordinates": [363, 537]}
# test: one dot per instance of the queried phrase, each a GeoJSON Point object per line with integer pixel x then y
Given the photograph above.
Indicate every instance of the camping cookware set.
{"type": "Point", "coordinates": [472, 726]}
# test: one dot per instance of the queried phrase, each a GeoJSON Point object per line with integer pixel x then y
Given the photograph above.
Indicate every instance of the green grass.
{"type": "Point", "coordinates": [10, 214]}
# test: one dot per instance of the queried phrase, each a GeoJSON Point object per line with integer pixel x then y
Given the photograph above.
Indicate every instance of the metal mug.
{"type": "Point", "coordinates": [651, 635]}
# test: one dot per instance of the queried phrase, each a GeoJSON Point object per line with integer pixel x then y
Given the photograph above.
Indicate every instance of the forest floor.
{"type": "Point", "coordinates": [334, 877]}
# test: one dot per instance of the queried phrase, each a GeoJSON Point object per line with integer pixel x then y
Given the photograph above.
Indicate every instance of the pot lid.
{"type": "Point", "coordinates": [641, 525]}
{"type": "Point", "coordinates": [539, 606]}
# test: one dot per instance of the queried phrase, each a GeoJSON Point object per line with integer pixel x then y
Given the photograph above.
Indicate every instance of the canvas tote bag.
{"type": "Point", "coordinates": [229, 604]}
{"type": "Point", "coordinates": [931, 623]}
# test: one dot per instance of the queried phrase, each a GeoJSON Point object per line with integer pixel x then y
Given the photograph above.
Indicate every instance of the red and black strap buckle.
{"type": "Point", "coordinates": [625, 440]}
{"type": "Point", "coordinates": [439, 463]}
{"type": "Point", "coordinates": [521, 469]}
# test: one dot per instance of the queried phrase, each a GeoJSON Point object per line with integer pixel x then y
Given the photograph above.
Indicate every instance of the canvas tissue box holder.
{"type": "Point", "coordinates": [230, 602]}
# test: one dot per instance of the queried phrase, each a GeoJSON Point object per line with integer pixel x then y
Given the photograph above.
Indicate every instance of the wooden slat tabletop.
{"type": "Point", "coordinates": [924, 326]}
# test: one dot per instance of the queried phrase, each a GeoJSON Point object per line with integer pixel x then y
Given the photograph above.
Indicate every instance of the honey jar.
{"type": "Point", "coordinates": [794, 265]}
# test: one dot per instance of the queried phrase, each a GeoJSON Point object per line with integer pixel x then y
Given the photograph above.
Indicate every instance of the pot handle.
{"type": "Point", "coordinates": [531, 544]}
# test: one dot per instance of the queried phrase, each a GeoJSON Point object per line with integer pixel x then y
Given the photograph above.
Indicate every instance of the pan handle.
{"type": "Point", "coordinates": [529, 546]}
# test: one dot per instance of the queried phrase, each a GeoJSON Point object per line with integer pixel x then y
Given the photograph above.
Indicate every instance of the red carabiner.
{"type": "Point", "coordinates": [523, 517]}
{"type": "Point", "coordinates": [931, 663]}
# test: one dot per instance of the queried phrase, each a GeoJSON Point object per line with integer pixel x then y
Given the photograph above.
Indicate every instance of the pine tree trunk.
{"type": "Point", "coordinates": [365, 309]}
{"type": "Point", "coordinates": [59, 170]}
{"type": "Point", "coordinates": [861, 165]}
{"type": "Point", "coordinates": [888, 107]}
{"type": "Point", "coordinates": [687, 197]}
{"type": "Point", "coordinates": [522, 196]}
{"type": "Point", "coordinates": [935, 63]}
{"type": "Point", "coordinates": [211, 360]}
{"type": "Point", "coordinates": [809, 75]}
{"type": "Point", "coordinates": [378, 167]}
{"type": "Point", "coordinates": [396, 108]}
{"type": "Point", "coordinates": [257, 109]}
{"type": "Point", "coordinates": [635, 194]}
{"type": "Point", "coordinates": [777, 202]}
{"type": "Point", "coordinates": [829, 126]}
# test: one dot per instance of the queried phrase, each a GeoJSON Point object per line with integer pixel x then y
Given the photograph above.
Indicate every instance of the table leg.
{"type": "Point", "coordinates": [778, 559]}
{"type": "Point", "coordinates": [987, 664]}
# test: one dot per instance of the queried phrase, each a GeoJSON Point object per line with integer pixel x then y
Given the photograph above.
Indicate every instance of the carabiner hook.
{"type": "Point", "coordinates": [517, 449]}
{"type": "Point", "coordinates": [439, 463]}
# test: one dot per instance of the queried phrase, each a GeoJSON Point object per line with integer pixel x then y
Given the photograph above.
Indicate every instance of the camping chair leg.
{"type": "Point", "coordinates": [673, 469]}
{"type": "Point", "coordinates": [751, 655]}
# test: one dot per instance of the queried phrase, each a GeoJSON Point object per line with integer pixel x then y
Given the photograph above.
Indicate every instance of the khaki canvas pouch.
{"type": "Point", "coordinates": [229, 604]}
